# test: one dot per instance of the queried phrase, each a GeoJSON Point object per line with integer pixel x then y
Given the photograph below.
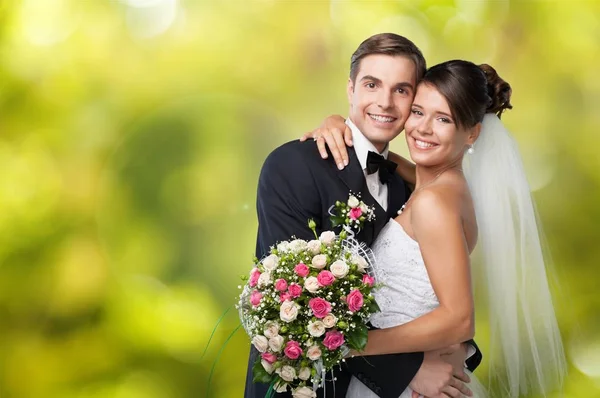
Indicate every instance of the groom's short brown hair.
{"type": "Point", "coordinates": [388, 44]}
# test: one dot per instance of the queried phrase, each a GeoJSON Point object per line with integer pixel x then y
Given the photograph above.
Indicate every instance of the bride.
{"type": "Point", "coordinates": [470, 187]}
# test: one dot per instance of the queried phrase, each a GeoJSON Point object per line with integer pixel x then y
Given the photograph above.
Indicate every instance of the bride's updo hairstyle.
{"type": "Point", "coordinates": [471, 90]}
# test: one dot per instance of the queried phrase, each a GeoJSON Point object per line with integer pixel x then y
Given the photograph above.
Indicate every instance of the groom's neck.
{"type": "Point", "coordinates": [379, 146]}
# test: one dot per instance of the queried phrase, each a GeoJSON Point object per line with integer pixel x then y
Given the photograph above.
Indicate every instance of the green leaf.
{"type": "Point", "coordinates": [357, 338]}
{"type": "Point", "coordinates": [373, 307]}
{"type": "Point", "coordinates": [259, 373]}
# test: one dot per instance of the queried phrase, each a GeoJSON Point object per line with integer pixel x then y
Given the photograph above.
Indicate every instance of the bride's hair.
{"type": "Point", "coordinates": [471, 90]}
{"type": "Point", "coordinates": [526, 353]}
{"type": "Point", "coordinates": [498, 90]}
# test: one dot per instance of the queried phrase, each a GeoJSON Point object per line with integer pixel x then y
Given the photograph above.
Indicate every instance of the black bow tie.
{"type": "Point", "coordinates": [377, 162]}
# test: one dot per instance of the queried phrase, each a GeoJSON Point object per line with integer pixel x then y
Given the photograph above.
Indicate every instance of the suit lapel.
{"type": "Point", "coordinates": [397, 195]}
{"type": "Point", "coordinates": [354, 178]}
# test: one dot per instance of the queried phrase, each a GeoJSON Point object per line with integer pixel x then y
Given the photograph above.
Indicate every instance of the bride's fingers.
{"type": "Point", "coordinates": [338, 135]}
{"type": "Point", "coordinates": [462, 376]}
{"type": "Point", "coordinates": [306, 136]}
{"type": "Point", "coordinates": [334, 148]}
{"type": "Point", "coordinates": [321, 146]}
{"type": "Point", "coordinates": [348, 136]}
{"type": "Point", "coordinates": [451, 392]}
{"type": "Point", "coordinates": [457, 388]}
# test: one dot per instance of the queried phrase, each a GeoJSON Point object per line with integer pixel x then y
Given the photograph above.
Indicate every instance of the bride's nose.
{"type": "Point", "coordinates": [424, 127]}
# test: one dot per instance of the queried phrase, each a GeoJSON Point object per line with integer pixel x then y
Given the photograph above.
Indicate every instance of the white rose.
{"type": "Point", "coordinates": [264, 279]}
{"type": "Point", "coordinates": [353, 202]}
{"type": "Point", "coordinates": [327, 238]}
{"type": "Point", "coordinates": [304, 392]}
{"type": "Point", "coordinates": [281, 387]}
{"type": "Point", "coordinates": [283, 247]}
{"type": "Point", "coordinates": [329, 321]}
{"type": "Point", "coordinates": [268, 366]}
{"type": "Point", "coordinates": [316, 328]}
{"type": "Point", "coordinates": [313, 353]}
{"type": "Point", "coordinates": [260, 342]}
{"type": "Point", "coordinates": [287, 373]}
{"type": "Point", "coordinates": [361, 263]}
{"type": "Point", "coordinates": [288, 311]}
{"type": "Point", "coordinates": [297, 245]}
{"type": "Point", "coordinates": [319, 261]}
{"type": "Point", "coordinates": [364, 208]}
{"type": "Point", "coordinates": [339, 269]}
{"type": "Point", "coordinates": [304, 373]}
{"type": "Point", "coordinates": [312, 284]}
{"type": "Point", "coordinates": [271, 262]}
{"type": "Point", "coordinates": [271, 329]}
{"type": "Point", "coordinates": [314, 246]}
{"type": "Point", "coordinates": [276, 343]}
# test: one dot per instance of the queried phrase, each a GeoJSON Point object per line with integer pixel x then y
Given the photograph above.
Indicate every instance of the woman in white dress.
{"type": "Point", "coordinates": [470, 186]}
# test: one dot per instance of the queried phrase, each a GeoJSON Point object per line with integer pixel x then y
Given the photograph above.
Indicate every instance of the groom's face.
{"type": "Point", "coordinates": [381, 96]}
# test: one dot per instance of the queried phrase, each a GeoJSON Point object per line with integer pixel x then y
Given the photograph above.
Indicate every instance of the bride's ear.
{"type": "Point", "coordinates": [474, 133]}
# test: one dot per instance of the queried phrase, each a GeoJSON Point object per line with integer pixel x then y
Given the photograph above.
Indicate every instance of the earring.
{"type": "Point", "coordinates": [471, 150]}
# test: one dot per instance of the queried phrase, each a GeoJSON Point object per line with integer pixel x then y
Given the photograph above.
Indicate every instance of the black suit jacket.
{"type": "Point", "coordinates": [296, 184]}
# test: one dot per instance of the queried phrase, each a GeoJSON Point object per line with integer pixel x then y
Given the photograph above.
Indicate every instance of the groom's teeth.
{"type": "Point", "coordinates": [382, 119]}
{"type": "Point", "coordinates": [423, 144]}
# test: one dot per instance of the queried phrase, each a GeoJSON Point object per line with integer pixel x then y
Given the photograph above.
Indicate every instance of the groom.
{"type": "Point", "coordinates": [296, 184]}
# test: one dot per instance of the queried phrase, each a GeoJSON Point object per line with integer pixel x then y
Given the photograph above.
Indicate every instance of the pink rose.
{"type": "Point", "coordinates": [281, 285]}
{"type": "Point", "coordinates": [284, 296]}
{"type": "Point", "coordinates": [295, 290]}
{"type": "Point", "coordinates": [354, 300]}
{"type": "Point", "coordinates": [367, 280]}
{"type": "Point", "coordinates": [320, 307]}
{"type": "Point", "coordinates": [255, 298]}
{"type": "Point", "coordinates": [355, 213]}
{"type": "Point", "coordinates": [333, 340]}
{"type": "Point", "coordinates": [301, 269]}
{"type": "Point", "coordinates": [269, 357]}
{"type": "Point", "coordinates": [292, 349]}
{"type": "Point", "coordinates": [325, 278]}
{"type": "Point", "coordinates": [254, 275]}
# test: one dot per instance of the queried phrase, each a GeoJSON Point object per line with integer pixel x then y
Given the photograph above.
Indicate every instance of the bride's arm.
{"type": "Point", "coordinates": [437, 226]}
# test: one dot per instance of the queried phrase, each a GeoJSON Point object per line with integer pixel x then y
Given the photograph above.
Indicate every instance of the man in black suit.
{"type": "Point", "coordinates": [296, 184]}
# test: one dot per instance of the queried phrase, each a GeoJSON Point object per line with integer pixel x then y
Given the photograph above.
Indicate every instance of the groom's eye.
{"type": "Point", "coordinates": [370, 85]}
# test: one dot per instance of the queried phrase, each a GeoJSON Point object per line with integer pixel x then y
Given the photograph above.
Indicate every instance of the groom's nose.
{"type": "Point", "coordinates": [384, 100]}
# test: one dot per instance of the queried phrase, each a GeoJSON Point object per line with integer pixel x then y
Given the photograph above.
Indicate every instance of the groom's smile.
{"type": "Point", "coordinates": [381, 95]}
{"type": "Point", "coordinates": [382, 119]}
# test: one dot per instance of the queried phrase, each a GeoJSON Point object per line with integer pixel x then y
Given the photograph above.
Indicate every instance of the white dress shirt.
{"type": "Point", "coordinates": [362, 146]}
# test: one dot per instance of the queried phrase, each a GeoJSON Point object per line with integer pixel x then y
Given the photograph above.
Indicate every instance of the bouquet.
{"type": "Point", "coordinates": [306, 304]}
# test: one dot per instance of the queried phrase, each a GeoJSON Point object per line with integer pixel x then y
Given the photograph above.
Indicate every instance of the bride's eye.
{"type": "Point", "coordinates": [417, 112]}
{"type": "Point", "coordinates": [445, 120]}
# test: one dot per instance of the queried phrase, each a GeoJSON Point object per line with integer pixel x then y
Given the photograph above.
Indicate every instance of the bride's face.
{"type": "Point", "coordinates": [433, 137]}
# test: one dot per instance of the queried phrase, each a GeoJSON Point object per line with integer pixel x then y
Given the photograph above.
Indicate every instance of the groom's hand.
{"type": "Point", "coordinates": [439, 378]}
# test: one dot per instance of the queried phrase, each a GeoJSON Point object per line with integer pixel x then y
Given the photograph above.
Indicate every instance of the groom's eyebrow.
{"type": "Point", "coordinates": [372, 78]}
{"type": "Point", "coordinates": [404, 85]}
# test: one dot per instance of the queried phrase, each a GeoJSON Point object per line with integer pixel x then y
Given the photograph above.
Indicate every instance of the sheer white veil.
{"type": "Point", "coordinates": [526, 352]}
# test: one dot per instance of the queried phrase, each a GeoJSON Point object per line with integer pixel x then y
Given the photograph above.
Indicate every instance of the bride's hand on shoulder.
{"type": "Point", "coordinates": [335, 134]}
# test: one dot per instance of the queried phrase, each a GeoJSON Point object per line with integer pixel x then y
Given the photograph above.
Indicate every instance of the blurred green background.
{"type": "Point", "coordinates": [132, 133]}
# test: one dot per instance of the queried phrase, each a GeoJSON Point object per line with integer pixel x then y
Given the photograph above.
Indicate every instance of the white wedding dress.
{"type": "Point", "coordinates": [405, 295]}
